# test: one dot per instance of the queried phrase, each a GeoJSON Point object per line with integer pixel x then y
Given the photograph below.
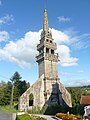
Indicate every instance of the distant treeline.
{"type": "Point", "coordinates": [86, 86]}
{"type": "Point", "coordinates": [76, 93]}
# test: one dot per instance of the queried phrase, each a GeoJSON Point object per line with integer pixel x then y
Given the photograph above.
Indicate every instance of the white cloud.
{"type": "Point", "coordinates": [23, 51]}
{"type": "Point", "coordinates": [65, 74]}
{"type": "Point", "coordinates": [77, 82]}
{"type": "Point", "coordinates": [65, 57]}
{"type": "Point", "coordinates": [4, 36]}
{"type": "Point", "coordinates": [77, 40]}
{"type": "Point", "coordinates": [6, 19]}
{"type": "Point", "coordinates": [80, 71]}
{"type": "Point", "coordinates": [72, 74]}
{"type": "Point", "coordinates": [63, 19]}
{"type": "Point", "coordinates": [59, 37]}
{"type": "Point", "coordinates": [64, 51]}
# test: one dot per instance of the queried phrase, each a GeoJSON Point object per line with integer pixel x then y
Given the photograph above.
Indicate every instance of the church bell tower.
{"type": "Point", "coordinates": [47, 90]}
{"type": "Point", "coordinates": [47, 59]}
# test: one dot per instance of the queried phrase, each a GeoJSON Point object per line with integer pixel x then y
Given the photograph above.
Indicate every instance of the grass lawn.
{"type": "Point", "coordinates": [28, 117]}
{"type": "Point", "coordinates": [8, 109]}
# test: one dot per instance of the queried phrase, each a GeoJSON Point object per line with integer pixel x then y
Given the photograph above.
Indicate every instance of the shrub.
{"type": "Point", "coordinates": [28, 117]}
{"type": "Point", "coordinates": [29, 111]}
{"type": "Point", "coordinates": [23, 117]}
{"type": "Point", "coordinates": [36, 110]}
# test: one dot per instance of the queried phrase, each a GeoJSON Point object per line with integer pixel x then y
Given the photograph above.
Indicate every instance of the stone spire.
{"type": "Point", "coordinates": [45, 23]}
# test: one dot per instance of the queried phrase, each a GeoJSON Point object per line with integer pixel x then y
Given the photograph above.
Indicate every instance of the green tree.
{"type": "Point", "coordinates": [18, 87]}
{"type": "Point", "coordinates": [15, 87]}
{"type": "Point", "coordinates": [2, 89]}
{"type": "Point", "coordinates": [22, 86]}
{"type": "Point", "coordinates": [5, 93]}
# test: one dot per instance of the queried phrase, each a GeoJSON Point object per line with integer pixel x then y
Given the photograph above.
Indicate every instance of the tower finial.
{"type": "Point", "coordinates": [45, 24]}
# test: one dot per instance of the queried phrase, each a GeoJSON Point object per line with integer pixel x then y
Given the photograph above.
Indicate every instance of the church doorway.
{"type": "Point", "coordinates": [31, 98]}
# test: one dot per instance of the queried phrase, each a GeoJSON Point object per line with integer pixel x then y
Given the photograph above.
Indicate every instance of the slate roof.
{"type": "Point", "coordinates": [85, 100]}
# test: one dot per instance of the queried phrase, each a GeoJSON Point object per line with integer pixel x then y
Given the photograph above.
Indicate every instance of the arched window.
{"type": "Point", "coordinates": [31, 99]}
{"type": "Point", "coordinates": [52, 51]}
{"type": "Point", "coordinates": [47, 50]}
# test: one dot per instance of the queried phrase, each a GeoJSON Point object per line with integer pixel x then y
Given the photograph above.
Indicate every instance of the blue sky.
{"type": "Point", "coordinates": [21, 22]}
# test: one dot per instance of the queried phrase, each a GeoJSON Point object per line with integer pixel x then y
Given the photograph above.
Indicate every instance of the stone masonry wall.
{"type": "Point", "coordinates": [42, 87]}
{"type": "Point", "coordinates": [36, 89]}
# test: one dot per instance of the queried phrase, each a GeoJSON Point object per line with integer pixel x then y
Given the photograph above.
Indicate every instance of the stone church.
{"type": "Point", "coordinates": [47, 89]}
